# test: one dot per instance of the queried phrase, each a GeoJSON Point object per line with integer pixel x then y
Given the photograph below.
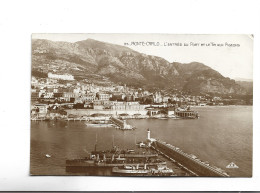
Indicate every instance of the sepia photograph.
{"type": "Point", "coordinates": [177, 105]}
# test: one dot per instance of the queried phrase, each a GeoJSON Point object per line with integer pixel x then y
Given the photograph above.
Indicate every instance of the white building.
{"type": "Point", "coordinates": [61, 76]}
{"type": "Point", "coordinates": [135, 106]}
{"type": "Point", "coordinates": [103, 96]}
{"type": "Point", "coordinates": [158, 97]}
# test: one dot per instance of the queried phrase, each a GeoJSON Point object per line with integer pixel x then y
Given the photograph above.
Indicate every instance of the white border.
{"type": "Point", "coordinates": [18, 19]}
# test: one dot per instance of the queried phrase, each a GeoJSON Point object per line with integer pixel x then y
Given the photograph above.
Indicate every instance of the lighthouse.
{"type": "Point", "coordinates": [149, 139]}
{"type": "Point", "coordinates": [148, 134]}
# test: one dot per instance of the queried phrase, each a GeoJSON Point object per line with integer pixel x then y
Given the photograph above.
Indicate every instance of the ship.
{"type": "Point", "coordinates": [161, 170]}
{"type": "Point", "coordinates": [117, 158]}
{"type": "Point", "coordinates": [141, 144]}
{"type": "Point", "coordinates": [116, 161]}
{"type": "Point", "coordinates": [113, 158]}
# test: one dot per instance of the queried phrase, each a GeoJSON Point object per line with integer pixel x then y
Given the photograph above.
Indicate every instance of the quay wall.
{"type": "Point", "coordinates": [186, 160]}
{"type": "Point", "coordinates": [88, 112]}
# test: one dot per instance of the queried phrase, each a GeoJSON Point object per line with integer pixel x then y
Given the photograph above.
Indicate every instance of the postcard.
{"type": "Point", "coordinates": [142, 105]}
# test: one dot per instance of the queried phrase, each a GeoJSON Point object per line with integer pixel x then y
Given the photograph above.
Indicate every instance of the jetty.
{"type": "Point", "coordinates": [121, 124]}
{"type": "Point", "coordinates": [187, 161]}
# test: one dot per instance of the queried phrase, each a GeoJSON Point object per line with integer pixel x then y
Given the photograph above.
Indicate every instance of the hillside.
{"type": "Point", "coordinates": [247, 85]}
{"type": "Point", "coordinates": [88, 58]}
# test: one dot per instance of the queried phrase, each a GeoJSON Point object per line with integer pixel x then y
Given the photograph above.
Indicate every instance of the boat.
{"type": "Point", "coordinates": [120, 158]}
{"type": "Point", "coordinates": [129, 171]}
{"type": "Point", "coordinates": [128, 167]}
{"type": "Point", "coordinates": [141, 144]}
{"type": "Point", "coordinates": [162, 169]}
{"type": "Point", "coordinates": [120, 161]}
{"type": "Point", "coordinates": [144, 170]}
{"type": "Point", "coordinates": [115, 158]}
{"type": "Point", "coordinates": [48, 156]}
{"type": "Point", "coordinates": [130, 151]}
{"type": "Point", "coordinates": [111, 159]}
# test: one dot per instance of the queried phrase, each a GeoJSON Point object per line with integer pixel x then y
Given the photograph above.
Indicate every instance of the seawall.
{"type": "Point", "coordinates": [193, 164]}
{"type": "Point", "coordinates": [88, 112]}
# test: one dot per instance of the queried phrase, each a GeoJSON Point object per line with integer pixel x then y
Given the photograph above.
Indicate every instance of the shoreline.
{"type": "Point", "coordinates": [129, 117]}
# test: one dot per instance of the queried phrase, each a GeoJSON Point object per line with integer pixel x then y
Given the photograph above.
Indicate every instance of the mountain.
{"type": "Point", "coordinates": [90, 58]}
{"type": "Point", "coordinates": [247, 85]}
{"type": "Point", "coordinates": [243, 79]}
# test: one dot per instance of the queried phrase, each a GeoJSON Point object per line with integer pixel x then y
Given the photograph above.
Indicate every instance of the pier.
{"type": "Point", "coordinates": [121, 123]}
{"type": "Point", "coordinates": [190, 162]}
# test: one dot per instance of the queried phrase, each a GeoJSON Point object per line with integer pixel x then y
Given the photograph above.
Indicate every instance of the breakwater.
{"type": "Point", "coordinates": [190, 162]}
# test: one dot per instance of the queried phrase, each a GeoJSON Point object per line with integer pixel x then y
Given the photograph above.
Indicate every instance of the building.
{"type": "Point", "coordinates": [48, 95]}
{"type": "Point", "coordinates": [118, 96]}
{"type": "Point", "coordinates": [58, 94]}
{"type": "Point", "coordinates": [127, 106]}
{"type": "Point", "coordinates": [186, 114]}
{"type": "Point", "coordinates": [166, 99]}
{"type": "Point", "coordinates": [171, 111]}
{"type": "Point", "coordinates": [79, 100]}
{"type": "Point", "coordinates": [103, 96]}
{"type": "Point", "coordinates": [61, 76]}
{"type": "Point", "coordinates": [130, 97]}
{"type": "Point", "coordinates": [157, 97]}
{"type": "Point", "coordinates": [68, 95]}
{"type": "Point", "coordinates": [34, 96]}
{"type": "Point", "coordinates": [98, 107]}
{"type": "Point", "coordinates": [90, 97]}
{"type": "Point", "coordinates": [34, 81]}
{"type": "Point", "coordinates": [40, 110]}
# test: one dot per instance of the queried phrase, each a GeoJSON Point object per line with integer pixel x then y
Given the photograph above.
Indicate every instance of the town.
{"type": "Point", "coordinates": [60, 96]}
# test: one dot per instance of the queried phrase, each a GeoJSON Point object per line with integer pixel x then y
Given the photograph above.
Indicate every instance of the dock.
{"type": "Point", "coordinates": [121, 124]}
{"type": "Point", "coordinates": [188, 162]}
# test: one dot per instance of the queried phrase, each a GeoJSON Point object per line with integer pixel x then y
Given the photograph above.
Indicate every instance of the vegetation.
{"type": "Point", "coordinates": [39, 74]}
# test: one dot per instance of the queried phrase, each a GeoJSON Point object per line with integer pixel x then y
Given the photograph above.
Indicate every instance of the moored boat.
{"type": "Point", "coordinates": [129, 170]}
{"type": "Point", "coordinates": [144, 170]}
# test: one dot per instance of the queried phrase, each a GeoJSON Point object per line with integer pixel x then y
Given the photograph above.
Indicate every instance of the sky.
{"type": "Point", "coordinates": [231, 55]}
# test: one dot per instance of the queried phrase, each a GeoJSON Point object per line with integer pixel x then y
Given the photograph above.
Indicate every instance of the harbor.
{"type": "Point", "coordinates": [121, 163]}
{"type": "Point", "coordinates": [146, 162]}
{"type": "Point", "coordinates": [173, 134]}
